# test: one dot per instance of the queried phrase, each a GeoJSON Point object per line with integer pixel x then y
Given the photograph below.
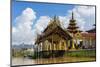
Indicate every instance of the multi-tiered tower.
{"type": "Point", "coordinates": [72, 28]}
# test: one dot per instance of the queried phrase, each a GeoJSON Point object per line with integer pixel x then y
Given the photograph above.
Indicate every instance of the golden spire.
{"type": "Point", "coordinates": [72, 15]}
{"type": "Point", "coordinates": [55, 18]}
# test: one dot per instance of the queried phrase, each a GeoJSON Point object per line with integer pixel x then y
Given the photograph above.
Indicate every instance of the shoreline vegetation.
{"type": "Point", "coordinates": [77, 53]}
{"type": "Point", "coordinates": [46, 54]}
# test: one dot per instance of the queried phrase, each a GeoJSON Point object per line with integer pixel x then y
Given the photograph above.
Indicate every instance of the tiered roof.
{"type": "Point", "coordinates": [72, 28]}
{"type": "Point", "coordinates": [54, 27]}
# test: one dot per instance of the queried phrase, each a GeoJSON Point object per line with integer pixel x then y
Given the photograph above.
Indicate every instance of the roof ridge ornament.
{"type": "Point", "coordinates": [72, 15]}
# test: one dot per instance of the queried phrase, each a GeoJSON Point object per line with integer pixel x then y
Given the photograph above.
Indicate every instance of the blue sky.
{"type": "Point", "coordinates": [31, 18]}
{"type": "Point", "coordinates": [42, 9]}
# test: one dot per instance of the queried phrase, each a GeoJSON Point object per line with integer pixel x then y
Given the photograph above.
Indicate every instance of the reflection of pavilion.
{"type": "Point", "coordinates": [56, 40]}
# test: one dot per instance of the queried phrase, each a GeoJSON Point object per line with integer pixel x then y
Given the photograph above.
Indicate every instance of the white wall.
{"type": "Point", "coordinates": [5, 33]}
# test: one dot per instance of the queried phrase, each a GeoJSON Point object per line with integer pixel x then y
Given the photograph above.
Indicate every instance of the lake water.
{"type": "Point", "coordinates": [27, 61]}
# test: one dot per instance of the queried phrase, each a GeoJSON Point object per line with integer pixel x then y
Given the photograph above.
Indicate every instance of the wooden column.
{"type": "Point", "coordinates": [43, 46]}
{"type": "Point", "coordinates": [90, 42]}
{"type": "Point", "coordinates": [73, 46]}
{"type": "Point", "coordinates": [60, 45]}
{"type": "Point", "coordinates": [65, 46]}
{"type": "Point", "coordinates": [50, 47]}
{"type": "Point", "coordinates": [53, 46]}
{"type": "Point", "coordinates": [68, 43]}
{"type": "Point", "coordinates": [46, 45]}
{"type": "Point", "coordinates": [52, 42]}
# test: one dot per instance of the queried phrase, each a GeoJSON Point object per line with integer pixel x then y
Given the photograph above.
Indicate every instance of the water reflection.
{"type": "Point", "coordinates": [27, 61]}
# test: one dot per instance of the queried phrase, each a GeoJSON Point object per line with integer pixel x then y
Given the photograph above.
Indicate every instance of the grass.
{"type": "Point", "coordinates": [81, 53]}
{"type": "Point", "coordinates": [77, 53]}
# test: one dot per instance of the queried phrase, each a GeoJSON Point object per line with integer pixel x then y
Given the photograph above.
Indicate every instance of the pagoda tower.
{"type": "Point", "coordinates": [73, 29]}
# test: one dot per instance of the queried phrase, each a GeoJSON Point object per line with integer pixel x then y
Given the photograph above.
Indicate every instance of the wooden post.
{"type": "Point", "coordinates": [76, 41]}
{"type": "Point", "coordinates": [73, 47]}
{"type": "Point", "coordinates": [65, 46]}
{"type": "Point", "coordinates": [52, 42]}
{"type": "Point", "coordinates": [46, 45]}
{"type": "Point", "coordinates": [60, 45]}
{"type": "Point", "coordinates": [90, 42]}
{"type": "Point", "coordinates": [52, 45]}
{"type": "Point", "coordinates": [68, 43]}
{"type": "Point", "coordinates": [43, 46]}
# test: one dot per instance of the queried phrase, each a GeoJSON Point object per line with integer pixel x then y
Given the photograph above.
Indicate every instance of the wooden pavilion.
{"type": "Point", "coordinates": [54, 39]}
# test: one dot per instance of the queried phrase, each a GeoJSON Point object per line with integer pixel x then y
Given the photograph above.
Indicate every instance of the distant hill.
{"type": "Point", "coordinates": [22, 46]}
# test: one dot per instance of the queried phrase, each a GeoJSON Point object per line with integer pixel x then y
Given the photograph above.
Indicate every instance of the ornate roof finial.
{"type": "Point", "coordinates": [55, 17]}
{"type": "Point", "coordinates": [72, 15]}
{"type": "Point", "coordinates": [56, 20]}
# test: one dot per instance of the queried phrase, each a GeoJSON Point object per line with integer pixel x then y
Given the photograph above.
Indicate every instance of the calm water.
{"type": "Point", "coordinates": [27, 61]}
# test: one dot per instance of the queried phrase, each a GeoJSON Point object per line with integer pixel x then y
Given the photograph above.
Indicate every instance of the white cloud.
{"type": "Point", "coordinates": [86, 10]}
{"type": "Point", "coordinates": [41, 24]}
{"type": "Point", "coordinates": [84, 15]}
{"type": "Point", "coordinates": [64, 21]}
{"type": "Point", "coordinates": [87, 16]}
{"type": "Point", "coordinates": [23, 32]}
